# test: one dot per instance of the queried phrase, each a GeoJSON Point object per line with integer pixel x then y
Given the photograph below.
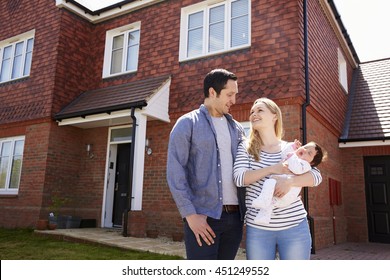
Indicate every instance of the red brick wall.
{"type": "Point", "coordinates": [71, 173]}
{"type": "Point", "coordinates": [157, 202]}
{"type": "Point", "coordinates": [326, 93]}
{"type": "Point", "coordinates": [23, 210]}
{"type": "Point", "coordinates": [30, 98]}
{"type": "Point", "coordinates": [56, 165]}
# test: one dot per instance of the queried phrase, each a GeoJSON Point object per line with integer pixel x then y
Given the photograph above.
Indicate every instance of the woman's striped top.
{"type": "Point", "coordinates": [281, 218]}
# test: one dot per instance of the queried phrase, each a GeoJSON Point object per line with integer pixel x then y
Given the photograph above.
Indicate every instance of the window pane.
{"type": "Point", "coordinates": [240, 23]}
{"type": "Point", "coordinates": [15, 172]}
{"type": "Point", "coordinates": [6, 64]}
{"type": "Point", "coordinates": [239, 31]}
{"type": "Point", "coordinates": [239, 8]}
{"type": "Point", "coordinates": [132, 58]}
{"type": "Point", "coordinates": [17, 66]}
{"type": "Point", "coordinates": [4, 161]}
{"type": "Point", "coordinates": [195, 34]}
{"type": "Point", "coordinates": [117, 54]}
{"type": "Point", "coordinates": [217, 14]}
{"type": "Point", "coordinates": [5, 149]}
{"type": "Point", "coordinates": [132, 51]}
{"type": "Point", "coordinates": [19, 147]}
{"type": "Point", "coordinates": [217, 38]}
{"type": "Point", "coordinates": [121, 134]}
{"type": "Point", "coordinates": [118, 42]}
{"type": "Point", "coordinates": [116, 63]}
{"type": "Point", "coordinates": [134, 38]}
{"type": "Point", "coordinates": [3, 171]}
{"type": "Point", "coordinates": [27, 61]}
{"type": "Point", "coordinates": [27, 64]}
{"type": "Point", "coordinates": [195, 20]}
{"type": "Point", "coordinates": [216, 31]}
{"type": "Point", "coordinates": [195, 42]}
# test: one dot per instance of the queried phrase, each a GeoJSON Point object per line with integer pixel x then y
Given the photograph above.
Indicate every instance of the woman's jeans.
{"type": "Point", "coordinates": [292, 244]}
{"type": "Point", "coordinates": [228, 230]}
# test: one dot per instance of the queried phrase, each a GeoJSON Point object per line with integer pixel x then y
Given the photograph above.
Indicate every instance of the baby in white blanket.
{"type": "Point", "coordinates": [299, 159]}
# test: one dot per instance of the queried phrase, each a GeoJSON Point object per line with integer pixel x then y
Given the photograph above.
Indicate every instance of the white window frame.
{"type": "Point", "coordinates": [342, 65]}
{"type": "Point", "coordinates": [205, 6]}
{"type": "Point", "coordinates": [110, 35]}
{"type": "Point", "coordinates": [12, 42]}
{"type": "Point", "coordinates": [7, 190]}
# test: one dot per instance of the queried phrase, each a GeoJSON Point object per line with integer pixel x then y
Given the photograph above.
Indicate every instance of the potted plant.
{"type": "Point", "coordinates": [42, 224]}
{"type": "Point", "coordinates": [55, 220]}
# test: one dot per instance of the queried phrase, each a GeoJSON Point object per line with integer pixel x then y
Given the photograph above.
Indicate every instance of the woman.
{"type": "Point", "coordinates": [257, 159]}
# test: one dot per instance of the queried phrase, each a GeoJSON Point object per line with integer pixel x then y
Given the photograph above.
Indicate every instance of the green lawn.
{"type": "Point", "coordinates": [23, 244]}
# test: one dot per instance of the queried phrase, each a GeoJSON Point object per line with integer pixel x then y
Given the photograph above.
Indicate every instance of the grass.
{"type": "Point", "coordinates": [23, 244]}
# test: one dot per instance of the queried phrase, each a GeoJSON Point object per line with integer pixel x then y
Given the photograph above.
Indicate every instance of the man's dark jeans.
{"type": "Point", "coordinates": [229, 234]}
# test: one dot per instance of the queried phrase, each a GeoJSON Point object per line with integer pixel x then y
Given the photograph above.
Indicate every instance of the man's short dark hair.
{"type": "Point", "coordinates": [217, 80]}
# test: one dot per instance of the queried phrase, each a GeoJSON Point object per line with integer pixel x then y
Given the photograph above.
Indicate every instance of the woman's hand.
{"type": "Point", "coordinates": [281, 168]}
{"type": "Point", "coordinates": [283, 185]}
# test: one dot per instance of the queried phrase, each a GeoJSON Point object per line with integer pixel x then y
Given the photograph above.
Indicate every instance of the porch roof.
{"type": "Point", "coordinates": [108, 102]}
{"type": "Point", "coordinates": [368, 113]}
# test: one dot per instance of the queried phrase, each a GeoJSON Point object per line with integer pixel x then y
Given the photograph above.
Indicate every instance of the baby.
{"type": "Point", "coordinates": [299, 159]}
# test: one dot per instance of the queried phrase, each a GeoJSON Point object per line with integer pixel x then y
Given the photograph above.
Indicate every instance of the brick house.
{"type": "Point", "coordinates": [74, 81]}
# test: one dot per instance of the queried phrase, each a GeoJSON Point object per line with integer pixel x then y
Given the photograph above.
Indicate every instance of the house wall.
{"type": "Point", "coordinates": [72, 174]}
{"type": "Point", "coordinates": [26, 107]}
{"type": "Point", "coordinates": [23, 209]}
{"type": "Point", "coordinates": [30, 98]}
{"type": "Point", "coordinates": [68, 60]}
{"type": "Point", "coordinates": [327, 95]}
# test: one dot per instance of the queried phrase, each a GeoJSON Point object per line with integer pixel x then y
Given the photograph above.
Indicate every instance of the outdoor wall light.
{"type": "Point", "coordinates": [148, 150]}
{"type": "Point", "coordinates": [88, 147]}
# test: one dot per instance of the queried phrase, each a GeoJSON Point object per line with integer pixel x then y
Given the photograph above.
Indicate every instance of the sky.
{"type": "Point", "coordinates": [367, 23]}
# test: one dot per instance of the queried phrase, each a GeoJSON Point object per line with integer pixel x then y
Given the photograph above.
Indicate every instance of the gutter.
{"type": "Point", "coordinates": [82, 114]}
{"type": "Point", "coordinates": [131, 171]}
{"type": "Point", "coordinates": [304, 110]}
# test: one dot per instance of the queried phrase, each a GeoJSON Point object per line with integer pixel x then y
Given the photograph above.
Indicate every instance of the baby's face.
{"type": "Point", "coordinates": [307, 152]}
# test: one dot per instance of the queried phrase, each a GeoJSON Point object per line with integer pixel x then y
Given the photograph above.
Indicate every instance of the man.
{"type": "Point", "coordinates": [201, 152]}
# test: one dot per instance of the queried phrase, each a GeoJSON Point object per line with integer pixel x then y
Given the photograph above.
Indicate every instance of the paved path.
{"type": "Point", "coordinates": [113, 237]}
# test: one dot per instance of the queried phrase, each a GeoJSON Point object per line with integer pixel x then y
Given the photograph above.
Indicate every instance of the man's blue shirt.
{"type": "Point", "coordinates": [194, 164]}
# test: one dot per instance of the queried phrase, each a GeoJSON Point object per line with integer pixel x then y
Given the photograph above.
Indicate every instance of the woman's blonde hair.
{"type": "Point", "coordinates": [255, 142]}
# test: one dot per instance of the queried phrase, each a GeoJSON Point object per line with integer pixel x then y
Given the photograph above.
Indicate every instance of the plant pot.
{"type": "Point", "coordinates": [177, 236]}
{"type": "Point", "coordinates": [42, 224]}
{"type": "Point", "coordinates": [52, 222]}
{"type": "Point", "coordinates": [52, 226]}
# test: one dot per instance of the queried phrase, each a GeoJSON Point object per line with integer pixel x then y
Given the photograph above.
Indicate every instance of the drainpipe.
{"type": "Point", "coordinates": [304, 107]}
{"type": "Point", "coordinates": [130, 190]}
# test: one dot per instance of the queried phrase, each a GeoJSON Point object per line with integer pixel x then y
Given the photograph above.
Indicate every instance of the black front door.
{"type": "Point", "coordinates": [377, 180]}
{"type": "Point", "coordinates": [121, 183]}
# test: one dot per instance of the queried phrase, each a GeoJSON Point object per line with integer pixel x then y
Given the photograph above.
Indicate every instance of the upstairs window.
{"type": "Point", "coordinates": [343, 78]}
{"type": "Point", "coordinates": [121, 51]}
{"type": "Point", "coordinates": [209, 28]}
{"type": "Point", "coordinates": [11, 157]}
{"type": "Point", "coordinates": [16, 57]}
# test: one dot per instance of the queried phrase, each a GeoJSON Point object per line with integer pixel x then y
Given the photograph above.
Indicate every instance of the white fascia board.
{"type": "Point", "coordinates": [96, 117]}
{"type": "Point", "coordinates": [127, 8]}
{"type": "Point", "coordinates": [364, 144]}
